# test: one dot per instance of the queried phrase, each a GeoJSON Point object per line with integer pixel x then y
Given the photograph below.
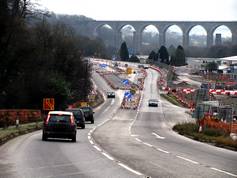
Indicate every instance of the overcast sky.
{"type": "Point", "coordinates": [206, 10]}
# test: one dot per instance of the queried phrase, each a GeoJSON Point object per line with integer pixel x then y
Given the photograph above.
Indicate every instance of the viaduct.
{"type": "Point", "coordinates": [162, 26]}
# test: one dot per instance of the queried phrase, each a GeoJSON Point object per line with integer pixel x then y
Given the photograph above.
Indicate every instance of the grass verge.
{"type": "Point", "coordinates": [171, 99]}
{"type": "Point", "coordinates": [12, 132]}
{"type": "Point", "coordinates": [209, 135]}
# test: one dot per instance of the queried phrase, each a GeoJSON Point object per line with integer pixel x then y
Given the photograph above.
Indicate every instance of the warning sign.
{"type": "Point", "coordinates": [48, 104]}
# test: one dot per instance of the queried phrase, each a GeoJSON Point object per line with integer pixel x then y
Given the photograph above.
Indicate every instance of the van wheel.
{"type": "Point", "coordinates": [83, 126]}
{"type": "Point", "coordinates": [92, 121]}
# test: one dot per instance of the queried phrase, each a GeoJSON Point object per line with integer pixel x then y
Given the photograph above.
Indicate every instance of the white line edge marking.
{"type": "Point", "coordinates": [138, 139]}
{"type": "Point", "coordinates": [91, 142]}
{"type": "Point", "coordinates": [147, 144]}
{"type": "Point", "coordinates": [219, 170]}
{"type": "Point", "coordinates": [89, 137]}
{"type": "Point", "coordinates": [129, 169]}
{"type": "Point", "coordinates": [108, 156]}
{"type": "Point", "coordinates": [162, 150]}
{"type": "Point", "coordinates": [157, 136]}
{"type": "Point", "coordinates": [186, 159]}
{"type": "Point", "coordinates": [96, 147]}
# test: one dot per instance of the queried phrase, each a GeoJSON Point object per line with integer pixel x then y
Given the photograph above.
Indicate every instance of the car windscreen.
{"type": "Point", "coordinates": [59, 118]}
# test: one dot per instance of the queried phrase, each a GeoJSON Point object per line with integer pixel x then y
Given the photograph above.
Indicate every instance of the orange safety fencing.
{"type": "Point", "coordinates": [209, 121]}
{"type": "Point", "coordinates": [9, 116]}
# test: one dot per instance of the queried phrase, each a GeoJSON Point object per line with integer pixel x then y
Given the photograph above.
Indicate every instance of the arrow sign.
{"type": "Point", "coordinates": [103, 65]}
{"type": "Point", "coordinates": [125, 82]}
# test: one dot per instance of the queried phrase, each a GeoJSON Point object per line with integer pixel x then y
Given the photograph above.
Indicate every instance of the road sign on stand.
{"type": "Point", "coordinates": [48, 104]}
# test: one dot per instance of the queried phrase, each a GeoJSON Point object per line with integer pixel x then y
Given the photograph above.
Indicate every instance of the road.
{"type": "Point", "coordinates": [121, 143]}
{"type": "Point", "coordinates": [145, 142]}
{"type": "Point", "coordinates": [29, 157]}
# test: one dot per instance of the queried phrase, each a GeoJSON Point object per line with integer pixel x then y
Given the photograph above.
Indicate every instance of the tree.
{"type": "Point", "coordinates": [124, 55]}
{"type": "Point", "coordinates": [211, 66]}
{"type": "Point", "coordinates": [134, 58]}
{"type": "Point", "coordinates": [179, 59]}
{"type": "Point", "coordinates": [163, 54]}
{"type": "Point", "coordinates": [152, 55]}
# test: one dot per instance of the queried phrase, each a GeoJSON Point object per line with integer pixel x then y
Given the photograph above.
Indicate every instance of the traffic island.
{"type": "Point", "coordinates": [213, 136]}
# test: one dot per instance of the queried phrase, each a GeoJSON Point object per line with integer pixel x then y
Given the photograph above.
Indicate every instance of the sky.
{"type": "Point", "coordinates": [150, 10]}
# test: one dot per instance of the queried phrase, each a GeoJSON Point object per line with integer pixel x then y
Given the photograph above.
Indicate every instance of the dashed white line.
{"type": "Point", "coordinates": [161, 150]}
{"type": "Point", "coordinates": [225, 172]}
{"type": "Point", "coordinates": [133, 135]}
{"type": "Point", "coordinates": [186, 159]}
{"type": "Point", "coordinates": [108, 156]}
{"type": "Point", "coordinates": [157, 136]}
{"type": "Point", "coordinates": [138, 139]}
{"type": "Point", "coordinates": [147, 144]}
{"type": "Point", "coordinates": [91, 142]}
{"type": "Point", "coordinates": [130, 169]}
{"type": "Point", "coordinates": [89, 137]}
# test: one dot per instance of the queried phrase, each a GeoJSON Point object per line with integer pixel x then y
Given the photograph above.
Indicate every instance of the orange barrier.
{"type": "Point", "coordinates": [209, 121]}
{"type": "Point", "coordinates": [9, 116]}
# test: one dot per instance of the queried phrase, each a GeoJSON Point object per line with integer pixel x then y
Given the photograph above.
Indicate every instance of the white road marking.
{"type": "Point", "coordinates": [129, 169]}
{"type": "Point", "coordinates": [133, 135]}
{"type": "Point", "coordinates": [161, 150]}
{"type": "Point", "coordinates": [157, 136]}
{"type": "Point", "coordinates": [96, 147]}
{"type": "Point", "coordinates": [138, 139]}
{"type": "Point", "coordinates": [89, 137]}
{"type": "Point", "coordinates": [225, 172]}
{"type": "Point", "coordinates": [108, 156]}
{"type": "Point", "coordinates": [186, 159]}
{"type": "Point", "coordinates": [91, 142]}
{"type": "Point", "coordinates": [112, 102]}
{"type": "Point", "coordinates": [147, 144]}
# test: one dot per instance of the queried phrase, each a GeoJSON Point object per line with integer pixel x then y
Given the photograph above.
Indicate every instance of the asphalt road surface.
{"type": "Point", "coordinates": [145, 142]}
{"type": "Point", "coordinates": [121, 143]}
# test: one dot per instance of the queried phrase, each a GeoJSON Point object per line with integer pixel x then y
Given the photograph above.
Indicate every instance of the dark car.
{"type": "Point", "coordinates": [153, 102]}
{"type": "Point", "coordinates": [79, 116]}
{"type": "Point", "coordinates": [88, 113]}
{"type": "Point", "coordinates": [110, 95]}
{"type": "Point", "coordinates": [60, 124]}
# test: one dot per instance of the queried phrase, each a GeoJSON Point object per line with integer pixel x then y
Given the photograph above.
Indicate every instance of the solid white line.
{"type": "Point", "coordinates": [108, 156]}
{"type": "Point", "coordinates": [186, 159]}
{"type": "Point", "coordinates": [138, 139]}
{"type": "Point", "coordinates": [228, 173]}
{"type": "Point", "coordinates": [96, 147]}
{"type": "Point", "coordinates": [147, 144]}
{"type": "Point", "coordinates": [157, 136]}
{"type": "Point", "coordinates": [129, 169]}
{"type": "Point", "coordinates": [162, 150]}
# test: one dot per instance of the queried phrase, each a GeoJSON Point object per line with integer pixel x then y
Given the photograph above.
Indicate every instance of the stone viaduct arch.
{"type": "Point", "coordinates": [162, 27]}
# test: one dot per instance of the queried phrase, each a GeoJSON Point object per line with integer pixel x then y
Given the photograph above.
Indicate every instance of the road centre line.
{"type": "Point", "coordinates": [225, 172]}
{"type": "Point", "coordinates": [147, 144]}
{"type": "Point", "coordinates": [186, 159]}
{"type": "Point", "coordinates": [157, 136]}
{"type": "Point", "coordinates": [108, 156]}
{"type": "Point", "coordinates": [161, 150]}
{"type": "Point", "coordinates": [138, 139]}
{"type": "Point", "coordinates": [129, 169]}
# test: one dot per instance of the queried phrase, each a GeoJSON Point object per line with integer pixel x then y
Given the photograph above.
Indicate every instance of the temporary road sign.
{"type": "Point", "coordinates": [48, 104]}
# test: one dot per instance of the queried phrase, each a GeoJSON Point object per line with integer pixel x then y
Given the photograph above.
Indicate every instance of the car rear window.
{"type": "Point", "coordinates": [59, 118]}
{"type": "Point", "coordinates": [86, 109]}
